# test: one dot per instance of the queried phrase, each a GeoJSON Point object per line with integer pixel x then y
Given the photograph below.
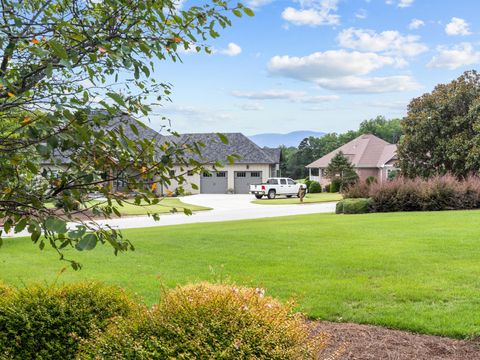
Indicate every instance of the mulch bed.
{"type": "Point", "coordinates": [366, 342]}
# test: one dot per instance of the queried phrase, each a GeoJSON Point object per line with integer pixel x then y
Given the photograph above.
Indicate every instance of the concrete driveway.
{"type": "Point", "coordinates": [225, 208]}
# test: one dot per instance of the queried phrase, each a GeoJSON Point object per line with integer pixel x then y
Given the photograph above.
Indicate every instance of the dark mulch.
{"type": "Point", "coordinates": [366, 342]}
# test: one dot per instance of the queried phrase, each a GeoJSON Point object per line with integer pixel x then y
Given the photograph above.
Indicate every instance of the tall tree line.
{"type": "Point", "coordinates": [296, 158]}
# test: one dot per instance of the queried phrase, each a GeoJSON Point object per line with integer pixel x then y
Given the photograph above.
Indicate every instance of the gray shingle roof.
{"type": "Point", "coordinates": [275, 153]}
{"type": "Point", "coordinates": [216, 150]}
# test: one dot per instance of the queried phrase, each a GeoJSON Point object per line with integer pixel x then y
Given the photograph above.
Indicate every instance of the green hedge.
{"type": "Point", "coordinates": [42, 322]}
{"type": "Point", "coordinates": [314, 187]}
{"type": "Point", "coordinates": [353, 206]}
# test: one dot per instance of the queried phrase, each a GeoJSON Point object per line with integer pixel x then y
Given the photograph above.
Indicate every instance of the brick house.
{"type": "Point", "coordinates": [370, 155]}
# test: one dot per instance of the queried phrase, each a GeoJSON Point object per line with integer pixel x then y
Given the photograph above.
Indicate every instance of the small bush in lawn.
{"type": "Point", "coordinates": [41, 322]}
{"type": "Point", "coordinates": [353, 206]}
{"type": "Point", "coordinates": [314, 187]}
{"type": "Point", "coordinates": [335, 186]}
{"type": "Point", "coordinates": [307, 182]}
{"type": "Point", "coordinates": [207, 321]}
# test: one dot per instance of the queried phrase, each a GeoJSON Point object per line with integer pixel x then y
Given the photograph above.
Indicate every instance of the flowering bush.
{"type": "Point", "coordinates": [207, 321]}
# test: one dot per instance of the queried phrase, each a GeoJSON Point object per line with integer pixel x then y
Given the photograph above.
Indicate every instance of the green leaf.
{"type": "Point", "coordinates": [248, 11]}
{"type": "Point", "coordinates": [223, 138]}
{"type": "Point", "coordinates": [117, 98]}
{"type": "Point", "coordinates": [56, 225]}
{"type": "Point", "coordinates": [59, 50]}
{"type": "Point", "coordinates": [20, 225]}
{"type": "Point", "coordinates": [88, 242]}
{"type": "Point", "coordinates": [134, 129]}
{"type": "Point", "coordinates": [237, 12]}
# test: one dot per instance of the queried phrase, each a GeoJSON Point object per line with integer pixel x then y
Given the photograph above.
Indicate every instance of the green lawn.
{"type": "Point", "coordinates": [165, 205]}
{"type": "Point", "coordinates": [415, 271]}
{"type": "Point", "coordinates": [309, 198]}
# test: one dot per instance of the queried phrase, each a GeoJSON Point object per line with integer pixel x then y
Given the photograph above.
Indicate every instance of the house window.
{"type": "Point", "coordinates": [221, 174]}
{"type": "Point", "coordinates": [241, 174]}
{"type": "Point", "coordinates": [314, 171]}
{"type": "Point", "coordinates": [255, 174]}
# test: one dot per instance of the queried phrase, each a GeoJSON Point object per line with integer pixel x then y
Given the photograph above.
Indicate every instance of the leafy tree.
{"type": "Point", "coordinates": [442, 130]}
{"type": "Point", "coordinates": [58, 59]}
{"type": "Point", "coordinates": [388, 130]}
{"type": "Point", "coordinates": [340, 169]}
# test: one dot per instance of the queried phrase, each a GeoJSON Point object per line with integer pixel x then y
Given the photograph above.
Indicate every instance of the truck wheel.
{"type": "Point", "coordinates": [289, 196]}
{"type": "Point", "coordinates": [271, 194]}
{"type": "Point", "coordinates": [258, 196]}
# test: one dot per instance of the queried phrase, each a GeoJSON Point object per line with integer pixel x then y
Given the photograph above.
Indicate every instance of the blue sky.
{"type": "Point", "coordinates": [321, 65]}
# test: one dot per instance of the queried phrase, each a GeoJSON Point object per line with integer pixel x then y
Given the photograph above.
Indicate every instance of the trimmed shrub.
{"type": "Point", "coordinates": [207, 321]}
{"type": "Point", "coordinates": [314, 187]}
{"type": "Point", "coordinates": [339, 207]}
{"type": "Point", "coordinates": [41, 322]}
{"type": "Point", "coordinates": [353, 206]}
{"type": "Point", "coordinates": [335, 186]}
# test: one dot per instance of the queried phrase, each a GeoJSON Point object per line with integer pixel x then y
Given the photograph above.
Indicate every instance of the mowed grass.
{"type": "Point", "coordinates": [308, 199]}
{"type": "Point", "coordinates": [166, 205]}
{"type": "Point", "coordinates": [413, 271]}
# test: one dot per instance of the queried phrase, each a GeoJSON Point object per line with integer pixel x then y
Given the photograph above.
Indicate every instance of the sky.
{"type": "Point", "coordinates": [320, 65]}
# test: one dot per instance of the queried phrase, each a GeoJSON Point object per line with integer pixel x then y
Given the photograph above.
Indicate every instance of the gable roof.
{"type": "Point", "coordinates": [216, 150]}
{"type": "Point", "coordinates": [365, 151]}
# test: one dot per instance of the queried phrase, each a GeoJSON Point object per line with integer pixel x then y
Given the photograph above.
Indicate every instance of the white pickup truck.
{"type": "Point", "coordinates": [276, 186]}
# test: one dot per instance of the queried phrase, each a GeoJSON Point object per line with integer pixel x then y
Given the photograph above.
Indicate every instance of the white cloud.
{"type": "Point", "coordinates": [361, 14]}
{"type": "Point", "coordinates": [313, 13]}
{"type": "Point", "coordinates": [390, 42]}
{"type": "Point", "coordinates": [342, 70]}
{"type": "Point", "coordinates": [328, 64]}
{"type": "Point", "coordinates": [204, 115]}
{"type": "Point", "coordinates": [356, 84]}
{"type": "Point", "coordinates": [251, 106]}
{"type": "Point", "coordinates": [405, 3]}
{"type": "Point", "coordinates": [255, 4]}
{"type": "Point", "coordinates": [231, 50]}
{"type": "Point", "coordinates": [455, 56]}
{"type": "Point", "coordinates": [400, 3]}
{"type": "Point", "coordinates": [457, 26]}
{"type": "Point", "coordinates": [416, 24]}
{"type": "Point", "coordinates": [290, 95]}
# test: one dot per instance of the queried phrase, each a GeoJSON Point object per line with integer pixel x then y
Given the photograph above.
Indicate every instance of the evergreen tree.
{"type": "Point", "coordinates": [341, 169]}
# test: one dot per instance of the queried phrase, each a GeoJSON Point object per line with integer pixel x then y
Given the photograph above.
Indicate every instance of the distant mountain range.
{"type": "Point", "coordinates": [290, 139]}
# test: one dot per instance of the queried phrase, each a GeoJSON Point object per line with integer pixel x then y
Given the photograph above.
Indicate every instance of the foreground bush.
{"type": "Point", "coordinates": [208, 322]}
{"type": "Point", "coordinates": [437, 193]}
{"type": "Point", "coordinates": [353, 206]}
{"type": "Point", "coordinates": [43, 322]}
